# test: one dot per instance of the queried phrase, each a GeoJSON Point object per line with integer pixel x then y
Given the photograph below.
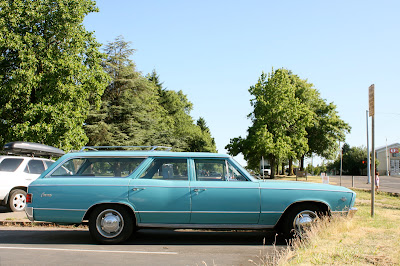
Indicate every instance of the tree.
{"type": "Point", "coordinates": [352, 161]}
{"type": "Point", "coordinates": [130, 114]}
{"type": "Point", "coordinates": [138, 111]}
{"type": "Point", "coordinates": [50, 71]}
{"type": "Point", "coordinates": [279, 122]}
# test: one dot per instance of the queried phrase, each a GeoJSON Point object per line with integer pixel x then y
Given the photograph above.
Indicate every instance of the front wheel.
{"type": "Point", "coordinates": [17, 200]}
{"type": "Point", "coordinates": [299, 219]}
{"type": "Point", "coordinates": [110, 224]}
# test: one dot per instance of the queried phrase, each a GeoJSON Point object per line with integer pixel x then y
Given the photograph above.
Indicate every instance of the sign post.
{"type": "Point", "coordinates": [371, 93]}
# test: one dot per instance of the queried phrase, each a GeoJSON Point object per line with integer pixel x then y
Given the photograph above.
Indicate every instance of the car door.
{"type": "Point", "coordinates": [161, 194]}
{"type": "Point", "coordinates": [222, 195]}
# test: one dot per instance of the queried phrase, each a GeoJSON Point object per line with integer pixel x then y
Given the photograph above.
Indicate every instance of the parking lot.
{"type": "Point", "coordinates": [64, 246]}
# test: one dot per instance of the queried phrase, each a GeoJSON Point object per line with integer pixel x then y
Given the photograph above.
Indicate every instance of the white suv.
{"type": "Point", "coordinates": [16, 173]}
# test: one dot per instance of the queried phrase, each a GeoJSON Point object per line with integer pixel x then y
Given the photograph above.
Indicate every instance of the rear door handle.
{"type": "Point", "coordinates": [199, 189]}
{"type": "Point", "coordinates": [138, 188]}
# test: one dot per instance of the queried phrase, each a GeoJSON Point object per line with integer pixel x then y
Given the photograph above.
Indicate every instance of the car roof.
{"type": "Point", "coordinates": [145, 154]}
{"type": "Point", "coordinates": [23, 157]}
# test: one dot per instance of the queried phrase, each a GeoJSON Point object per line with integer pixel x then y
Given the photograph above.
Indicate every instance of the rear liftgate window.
{"type": "Point", "coordinates": [98, 167]}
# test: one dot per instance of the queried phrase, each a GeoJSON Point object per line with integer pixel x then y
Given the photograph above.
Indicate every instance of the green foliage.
{"type": "Point", "coordinates": [137, 111]}
{"type": "Point", "coordinates": [279, 121]}
{"type": "Point", "coordinates": [50, 71]}
{"type": "Point", "coordinates": [352, 161]}
{"type": "Point", "coordinates": [290, 120]}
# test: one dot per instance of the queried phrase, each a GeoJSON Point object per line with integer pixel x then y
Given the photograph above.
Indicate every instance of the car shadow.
{"type": "Point", "coordinates": [80, 236]}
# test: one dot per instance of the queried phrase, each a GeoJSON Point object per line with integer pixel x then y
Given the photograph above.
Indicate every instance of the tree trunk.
{"type": "Point", "coordinates": [283, 169]}
{"type": "Point", "coordinates": [272, 162]}
{"type": "Point", "coordinates": [291, 166]}
{"type": "Point", "coordinates": [302, 163]}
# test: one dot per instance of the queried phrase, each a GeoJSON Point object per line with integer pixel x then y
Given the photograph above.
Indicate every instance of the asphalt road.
{"type": "Point", "coordinates": [55, 246]}
{"type": "Point", "coordinates": [387, 183]}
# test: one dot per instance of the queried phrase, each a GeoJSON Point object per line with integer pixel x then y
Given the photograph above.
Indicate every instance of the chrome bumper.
{"type": "Point", "coordinates": [29, 213]}
{"type": "Point", "coordinates": [351, 212]}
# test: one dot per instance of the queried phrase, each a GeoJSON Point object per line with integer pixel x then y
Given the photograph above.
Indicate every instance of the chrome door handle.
{"type": "Point", "coordinates": [199, 189]}
{"type": "Point", "coordinates": [138, 188]}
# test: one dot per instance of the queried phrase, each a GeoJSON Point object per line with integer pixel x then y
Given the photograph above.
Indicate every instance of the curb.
{"type": "Point", "coordinates": [25, 223]}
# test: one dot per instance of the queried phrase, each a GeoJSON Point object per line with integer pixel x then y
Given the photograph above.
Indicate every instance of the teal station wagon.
{"type": "Point", "coordinates": [118, 192]}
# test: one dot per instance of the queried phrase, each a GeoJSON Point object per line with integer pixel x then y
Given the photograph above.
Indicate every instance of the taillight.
{"type": "Point", "coordinates": [29, 198]}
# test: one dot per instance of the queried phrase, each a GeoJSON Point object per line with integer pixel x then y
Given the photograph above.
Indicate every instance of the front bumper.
{"type": "Point", "coordinates": [351, 212]}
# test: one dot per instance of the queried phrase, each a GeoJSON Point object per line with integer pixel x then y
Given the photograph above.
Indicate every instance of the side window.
{"type": "Point", "coordinates": [34, 167]}
{"type": "Point", "coordinates": [210, 170]}
{"type": "Point", "coordinates": [98, 167]}
{"type": "Point", "coordinates": [167, 169]}
{"type": "Point", "coordinates": [10, 164]}
{"type": "Point", "coordinates": [216, 170]}
{"type": "Point", "coordinates": [48, 163]}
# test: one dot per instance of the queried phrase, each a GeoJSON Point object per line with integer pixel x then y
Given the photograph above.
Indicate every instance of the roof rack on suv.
{"type": "Point", "coordinates": [140, 148]}
{"type": "Point", "coordinates": [33, 149]}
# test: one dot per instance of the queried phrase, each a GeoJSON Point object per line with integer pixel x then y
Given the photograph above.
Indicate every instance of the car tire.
{"type": "Point", "coordinates": [17, 200]}
{"type": "Point", "coordinates": [111, 224]}
{"type": "Point", "coordinates": [298, 219]}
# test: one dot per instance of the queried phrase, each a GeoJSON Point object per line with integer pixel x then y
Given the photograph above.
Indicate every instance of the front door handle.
{"type": "Point", "coordinates": [199, 189]}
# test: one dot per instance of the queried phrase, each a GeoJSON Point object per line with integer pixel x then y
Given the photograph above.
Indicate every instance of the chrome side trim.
{"type": "Point", "coordinates": [56, 209]}
{"type": "Point", "coordinates": [308, 189]}
{"type": "Point", "coordinates": [280, 212]}
{"type": "Point", "coordinates": [207, 226]}
{"type": "Point", "coordinates": [163, 211]}
{"type": "Point", "coordinates": [211, 212]}
{"type": "Point", "coordinates": [75, 185]}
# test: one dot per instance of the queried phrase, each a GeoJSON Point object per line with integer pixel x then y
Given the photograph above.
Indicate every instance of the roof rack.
{"type": "Point", "coordinates": [30, 148]}
{"type": "Point", "coordinates": [125, 148]}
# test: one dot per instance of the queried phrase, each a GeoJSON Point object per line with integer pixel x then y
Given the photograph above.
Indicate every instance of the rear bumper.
{"type": "Point", "coordinates": [29, 213]}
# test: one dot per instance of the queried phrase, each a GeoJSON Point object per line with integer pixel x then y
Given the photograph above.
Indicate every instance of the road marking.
{"type": "Point", "coordinates": [90, 250]}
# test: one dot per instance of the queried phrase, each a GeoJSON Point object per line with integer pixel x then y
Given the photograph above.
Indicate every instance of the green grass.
{"type": "Point", "coordinates": [362, 240]}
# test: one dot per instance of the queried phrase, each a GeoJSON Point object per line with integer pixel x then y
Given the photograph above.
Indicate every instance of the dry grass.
{"type": "Point", "coordinates": [362, 240]}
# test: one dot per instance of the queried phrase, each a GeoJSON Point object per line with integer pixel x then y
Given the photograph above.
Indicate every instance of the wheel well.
{"type": "Point", "coordinates": [323, 208]}
{"type": "Point", "coordinates": [7, 197]}
{"type": "Point", "coordinates": [128, 208]}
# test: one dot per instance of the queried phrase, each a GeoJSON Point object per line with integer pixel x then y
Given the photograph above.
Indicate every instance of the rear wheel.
{"type": "Point", "coordinates": [110, 224]}
{"type": "Point", "coordinates": [299, 219]}
{"type": "Point", "coordinates": [17, 200]}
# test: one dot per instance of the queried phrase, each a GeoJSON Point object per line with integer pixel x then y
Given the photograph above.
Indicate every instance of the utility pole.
{"type": "Point", "coordinates": [368, 159]}
{"type": "Point", "coordinates": [371, 93]}
{"type": "Point", "coordinates": [341, 164]}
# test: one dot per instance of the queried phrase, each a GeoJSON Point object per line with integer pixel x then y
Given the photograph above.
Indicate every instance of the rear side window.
{"type": "Point", "coordinates": [167, 169]}
{"type": "Point", "coordinates": [10, 164]}
{"type": "Point", "coordinates": [48, 163]}
{"type": "Point", "coordinates": [97, 167]}
{"type": "Point", "coordinates": [34, 167]}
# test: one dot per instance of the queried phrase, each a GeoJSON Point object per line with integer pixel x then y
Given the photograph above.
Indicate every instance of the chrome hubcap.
{"type": "Point", "coordinates": [303, 220]}
{"type": "Point", "coordinates": [109, 223]}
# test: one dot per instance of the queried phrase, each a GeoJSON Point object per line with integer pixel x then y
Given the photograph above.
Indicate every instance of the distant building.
{"type": "Point", "coordinates": [389, 159]}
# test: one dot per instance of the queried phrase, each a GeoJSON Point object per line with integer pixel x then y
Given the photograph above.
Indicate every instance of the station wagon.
{"type": "Point", "coordinates": [119, 192]}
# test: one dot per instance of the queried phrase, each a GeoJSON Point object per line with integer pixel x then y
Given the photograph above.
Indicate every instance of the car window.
{"type": "Point", "coordinates": [98, 167]}
{"type": "Point", "coordinates": [10, 164]}
{"type": "Point", "coordinates": [216, 170]}
{"type": "Point", "coordinates": [48, 163]}
{"type": "Point", "coordinates": [167, 169]}
{"type": "Point", "coordinates": [34, 167]}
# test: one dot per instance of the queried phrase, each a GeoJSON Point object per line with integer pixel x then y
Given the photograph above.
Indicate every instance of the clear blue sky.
{"type": "Point", "coordinates": [215, 50]}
